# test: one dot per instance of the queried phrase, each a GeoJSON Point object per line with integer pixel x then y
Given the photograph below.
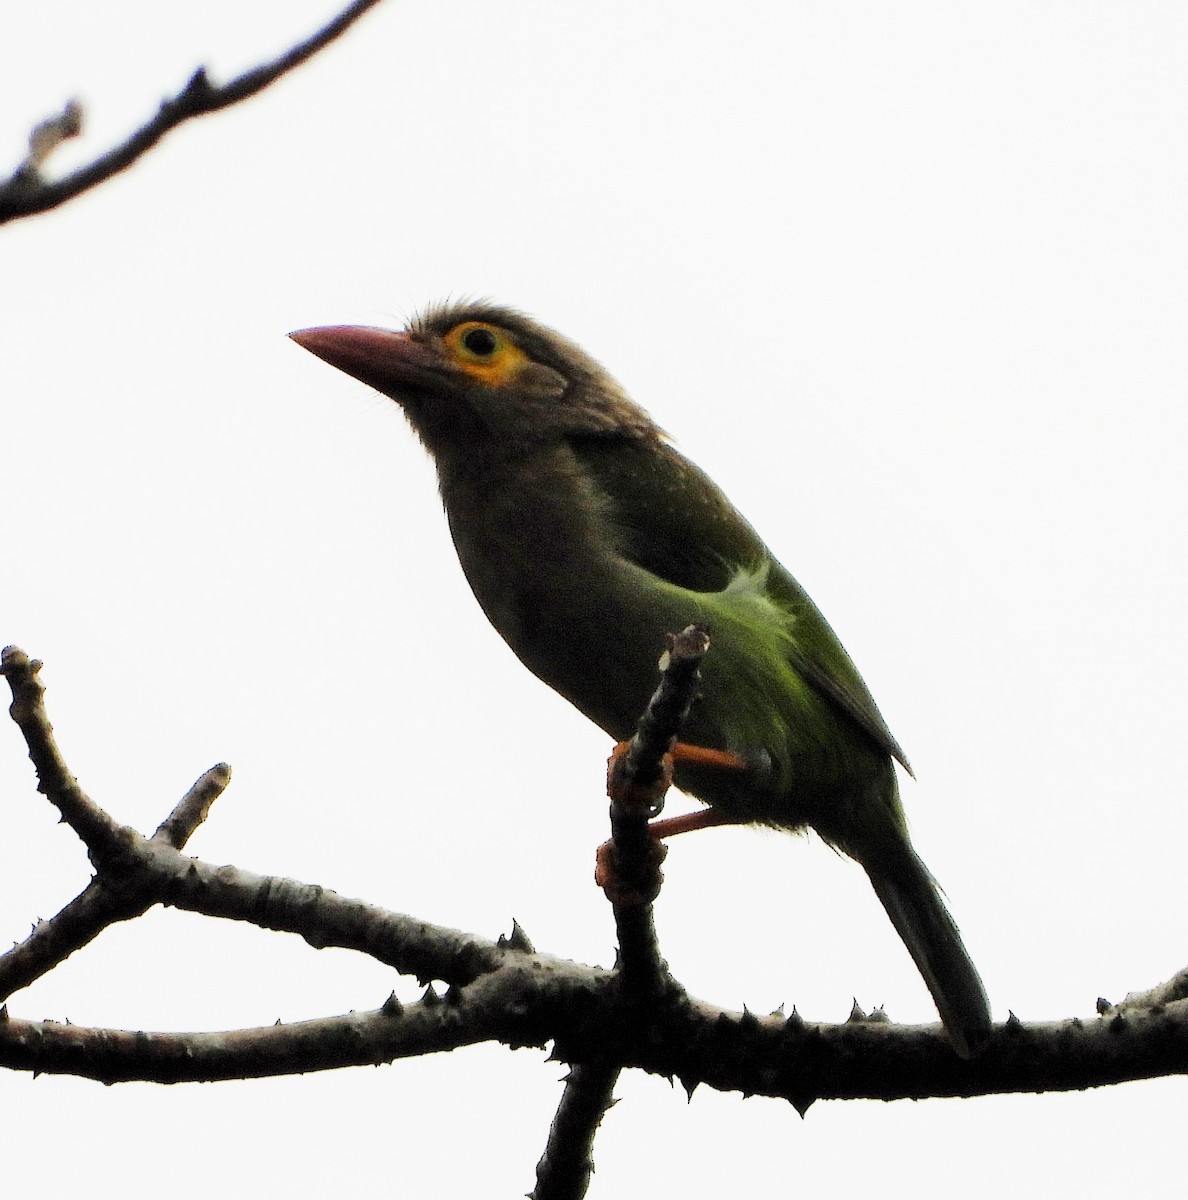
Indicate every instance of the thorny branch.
{"type": "Point", "coordinates": [505, 991]}
{"type": "Point", "coordinates": [27, 192]}
{"type": "Point", "coordinates": [567, 1164]}
{"type": "Point", "coordinates": [639, 776]}
{"type": "Point", "coordinates": [599, 1021]}
{"type": "Point", "coordinates": [637, 779]}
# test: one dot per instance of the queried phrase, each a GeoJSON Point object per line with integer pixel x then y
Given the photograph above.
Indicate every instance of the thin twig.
{"type": "Point", "coordinates": [103, 836]}
{"type": "Point", "coordinates": [25, 192]}
{"type": "Point", "coordinates": [53, 941]}
{"type": "Point", "coordinates": [134, 873]}
{"type": "Point", "coordinates": [193, 808]}
{"type": "Point", "coordinates": [100, 904]}
{"type": "Point", "coordinates": [638, 781]}
{"type": "Point", "coordinates": [661, 721]}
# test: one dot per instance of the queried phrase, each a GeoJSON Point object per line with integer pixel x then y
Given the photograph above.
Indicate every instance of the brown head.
{"type": "Point", "coordinates": [475, 371]}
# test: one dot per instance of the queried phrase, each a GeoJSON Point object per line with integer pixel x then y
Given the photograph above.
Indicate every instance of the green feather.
{"type": "Point", "coordinates": [586, 538]}
{"type": "Point", "coordinates": [671, 519]}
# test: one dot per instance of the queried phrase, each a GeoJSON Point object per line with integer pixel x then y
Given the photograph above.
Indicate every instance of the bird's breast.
{"type": "Point", "coordinates": [538, 548]}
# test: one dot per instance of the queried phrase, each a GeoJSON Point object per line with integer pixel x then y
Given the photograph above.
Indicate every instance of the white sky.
{"type": "Point", "coordinates": [909, 280]}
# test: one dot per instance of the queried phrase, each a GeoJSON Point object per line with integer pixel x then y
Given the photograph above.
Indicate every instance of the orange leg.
{"type": "Point", "coordinates": [703, 818]}
{"type": "Point", "coordinates": [605, 874]}
{"type": "Point", "coordinates": [686, 752]}
{"type": "Point", "coordinates": [703, 756]}
{"type": "Point", "coordinates": [653, 794]}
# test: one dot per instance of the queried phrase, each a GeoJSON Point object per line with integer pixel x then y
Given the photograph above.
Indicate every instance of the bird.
{"type": "Point", "coordinates": [586, 536]}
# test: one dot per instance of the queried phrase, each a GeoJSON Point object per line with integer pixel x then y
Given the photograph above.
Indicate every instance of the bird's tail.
{"type": "Point", "coordinates": [912, 899]}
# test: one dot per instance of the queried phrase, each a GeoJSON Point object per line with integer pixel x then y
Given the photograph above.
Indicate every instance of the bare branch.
{"type": "Point", "coordinates": [567, 1164]}
{"type": "Point", "coordinates": [324, 918]}
{"type": "Point", "coordinates": [669, 705]}
{"type": "Point", "coordinates": [629, 868]}
{"type": "Point", "coordinates": [25, 192]}
{"type": "Point", "coordinates": [530, 999]}
{"type": "Point", "coordinates": [154, 873]}
{"type": "Point", "coordinates": [638, 779]}
{"type": "Point", "coordinates": [193, 808]}
{"type": "Point", "coordinates": [103, 836]}
{"type": "Point", "coordinates": [99, 904]}
{"type": "Point", "coordinates": [78, 924]}
{"type": "Point", "coordinates": [504, 991]}
{"type": "Point", "coordinates": [391, 1032]}
{"type": "Point", "coordinates": [134, 873]}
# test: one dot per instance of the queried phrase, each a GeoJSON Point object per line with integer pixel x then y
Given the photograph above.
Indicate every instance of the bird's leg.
{"type": "Point", "coordinates": [647, 798]}
{"type": "Point", "coordinates": [687, 752]}
{"type": "Point", "coordinates": [703, 818]}
{"type": "Point", "coordinates": [704, 756]}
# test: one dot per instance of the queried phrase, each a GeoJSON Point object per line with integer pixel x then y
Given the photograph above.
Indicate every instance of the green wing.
{"type": "Point", "coordinates": [673, 521]}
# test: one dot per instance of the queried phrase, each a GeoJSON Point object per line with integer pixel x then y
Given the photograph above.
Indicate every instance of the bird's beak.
{"type": "Point", "coordinates": [388, 361]}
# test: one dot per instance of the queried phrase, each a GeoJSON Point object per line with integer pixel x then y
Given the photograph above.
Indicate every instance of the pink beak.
{"type": "Point", "coordinates": [388, 361]}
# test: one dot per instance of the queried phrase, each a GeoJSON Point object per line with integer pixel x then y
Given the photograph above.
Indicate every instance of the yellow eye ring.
{"type": "Point", "coordinates": [485, 353]}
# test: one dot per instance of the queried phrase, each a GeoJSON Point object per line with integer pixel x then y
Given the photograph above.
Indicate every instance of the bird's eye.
{"type": "Point", "coordinates": [480, 341]}
{"type": "Point", "coordinates": [484, 352]}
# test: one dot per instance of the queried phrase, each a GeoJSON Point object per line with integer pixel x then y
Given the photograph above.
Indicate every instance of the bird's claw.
{"type": "Point", "coordinates": [639, 799]}
{"type": "Point", "coordinates": [642, 890]}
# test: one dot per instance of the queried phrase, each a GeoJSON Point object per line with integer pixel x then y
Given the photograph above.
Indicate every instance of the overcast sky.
{"type": "Point", "coordinates": [910, 280]}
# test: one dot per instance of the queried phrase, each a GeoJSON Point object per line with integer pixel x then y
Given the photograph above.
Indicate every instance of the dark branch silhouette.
{"type": "Point", "coordinates": [567, 1164]}
{"type": "Point", "coordinates": [598, 1021]}
{"type": "Point", "coordinates": [26, 192]}
{"type": "Point", "coordinates": [638, 776]}
{"type": "Point", "coordinates": [584, 1010]}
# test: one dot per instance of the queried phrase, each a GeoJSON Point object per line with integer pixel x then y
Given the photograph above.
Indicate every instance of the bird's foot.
{"type": "Point", "coordinates": [646, 887]}
{"type": "Point", "coordinates": [642, 800]}
{"type": "Point", "coordinates": [649, 797]}
{"type": "Point", "coordinates": [636, 798]}
{"type": "Point", "coordinates": [629, 872]}
{"type": "Point", "coordinates": [641, 890]}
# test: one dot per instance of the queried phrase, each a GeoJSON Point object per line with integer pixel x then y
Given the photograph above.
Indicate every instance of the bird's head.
{"type": "Point", "coordinates": [472, 371]}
